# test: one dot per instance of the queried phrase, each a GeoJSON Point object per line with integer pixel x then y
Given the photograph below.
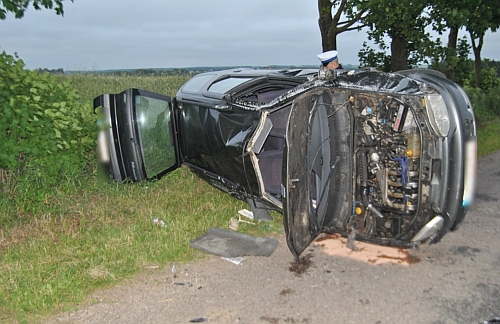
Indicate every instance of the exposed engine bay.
{"type": "Point", "coordinates": [391, 182]}
{"type": "Point", "coordinates": [390, 142]}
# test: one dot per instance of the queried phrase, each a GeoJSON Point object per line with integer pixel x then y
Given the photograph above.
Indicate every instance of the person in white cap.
{"type": "Point", "coordinates": [330, 60]}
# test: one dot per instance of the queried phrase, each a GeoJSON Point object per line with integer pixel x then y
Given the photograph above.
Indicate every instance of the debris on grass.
{"type": "Point", "coordinates": [159, 222]}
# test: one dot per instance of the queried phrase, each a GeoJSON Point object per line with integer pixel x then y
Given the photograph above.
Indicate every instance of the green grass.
{"type": "Point", "coordinates": [104, 234]}
{"type": "Point", "coordinates": [95, 234]}
{"type": "Point", "coordinates": [488, 138]}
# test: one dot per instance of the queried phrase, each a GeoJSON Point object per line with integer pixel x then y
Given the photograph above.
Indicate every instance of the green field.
{"type": "Point", "coordinates": [90, 85]}
{"type": "Point", "coordinates": [91, 234]}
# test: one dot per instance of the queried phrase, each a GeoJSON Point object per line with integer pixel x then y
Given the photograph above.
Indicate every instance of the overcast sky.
{"type": "Point", "coordinates": [126, 34]}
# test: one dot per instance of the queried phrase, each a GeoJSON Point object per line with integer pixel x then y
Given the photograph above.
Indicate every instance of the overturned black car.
{"type": "Point", "coordinates": [390, 156]}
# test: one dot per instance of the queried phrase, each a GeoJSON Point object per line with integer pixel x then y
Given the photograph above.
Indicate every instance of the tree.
{"type": "Point", "coordinates": [454, 62]}
{"type": "Point", "coordinates": [484, 15]}
{"type": "Point", "coordinates": [330, 24]}
{"type": "Point", "coordinates": [477, 17]}
{"type": "Point", "coordinates": [18, 7]}
{"type": "Point", "coordinates": [404, 22]}
{"type": "Point", "coordinates": [368, 57]}
{"type": "Point", "coordinates": [451, 16]}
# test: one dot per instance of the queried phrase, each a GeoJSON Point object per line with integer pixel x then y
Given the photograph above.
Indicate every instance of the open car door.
{"type": "Point", "coordinates": [137, 137]}
{"type": "Point", "coordinates": [306, 172]}
{"type": "Point", "coordinates": [317, 168]}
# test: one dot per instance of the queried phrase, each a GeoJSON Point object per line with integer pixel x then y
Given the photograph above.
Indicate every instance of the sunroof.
{"type": "Point", "coordinates": [196, 83]}
{"type": "Point", "coordinates": [227, 84]}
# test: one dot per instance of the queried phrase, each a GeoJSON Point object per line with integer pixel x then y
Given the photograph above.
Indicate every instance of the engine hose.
{"type": "Point", "coordinates": [363, 176]}
{"type": "Point", "coordinates": [372, 126]}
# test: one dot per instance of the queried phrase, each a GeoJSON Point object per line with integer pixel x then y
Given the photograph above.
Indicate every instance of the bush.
{"type": "Point", "coordinates": [489, 79]}
{"type": "Point", "coordinates": [46, 135]}
{"type": "Point", "coordinates": [486, 103]}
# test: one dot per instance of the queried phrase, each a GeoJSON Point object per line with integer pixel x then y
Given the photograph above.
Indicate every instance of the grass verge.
{"type": "Point", "coordinates": [488, 138]}
{"type": "Point", "coordinates": [105, 234]}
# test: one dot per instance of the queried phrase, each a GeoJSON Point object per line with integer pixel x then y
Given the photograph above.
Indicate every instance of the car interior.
{"type": "Point", "coordinates": [271, 155]}
{"type": "Point", "coordinates": [268, 148]}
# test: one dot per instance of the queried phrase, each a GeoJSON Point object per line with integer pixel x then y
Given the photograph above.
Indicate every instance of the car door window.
{"type": "Point", "coordinates": [155, 134]}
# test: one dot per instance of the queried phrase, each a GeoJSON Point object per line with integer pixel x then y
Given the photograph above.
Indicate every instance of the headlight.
{"type": "Point", "coordinates": [438, 114]}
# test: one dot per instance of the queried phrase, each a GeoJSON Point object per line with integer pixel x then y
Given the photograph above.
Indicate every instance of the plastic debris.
{"type": "Point", "coordinates": [244, 221]}
{"type": "Point", "coordinates": [233, 222]}
{"type": "Point", "coordinates": [151, 267]}
{"type": "Point", "coordinates": [198, 320]}
{"type": "Point", "coordinates": [236, 260]}
{"type": "Point", "coordinates": [159, 222]}
{"type": "Point", "coordinates": [246, 213]}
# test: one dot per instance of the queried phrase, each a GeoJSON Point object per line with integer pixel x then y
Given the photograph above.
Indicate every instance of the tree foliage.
{"type": "Point", "coordinates": [404, 23]}
{"type": "Point", "coordinates": [454, 61]}
{"type": "Point", "coordinates": [495, 65]}
{"type": "Point", "coordinates": [19, 7]}
{"type": "Point", "coordinates": [401, 28]}
{"type": "Point", "coordinates": [450, 16]}
{"type": "Point", "coordinates": [484, 15]}
{"type": "Point", "coordinates": [476, 17]}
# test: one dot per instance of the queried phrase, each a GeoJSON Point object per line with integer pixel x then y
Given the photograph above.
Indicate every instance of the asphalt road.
{"type": "Point", "coordinates": [454, 281]}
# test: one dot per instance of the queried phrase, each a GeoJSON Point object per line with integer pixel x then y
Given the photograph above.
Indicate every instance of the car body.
{"type": "Point", "coordinates": [389, 157]}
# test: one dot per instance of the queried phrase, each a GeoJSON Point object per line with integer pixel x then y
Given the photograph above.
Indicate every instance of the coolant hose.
{"type": "Point", "coordinates": [363, 176]}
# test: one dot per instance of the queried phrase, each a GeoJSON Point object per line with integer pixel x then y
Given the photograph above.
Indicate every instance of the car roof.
{"type": "Point", "coordinates": [210, 87]}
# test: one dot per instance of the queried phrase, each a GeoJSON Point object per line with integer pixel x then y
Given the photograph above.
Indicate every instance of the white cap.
{"type": "Point", "coordinates": [327, 56]}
